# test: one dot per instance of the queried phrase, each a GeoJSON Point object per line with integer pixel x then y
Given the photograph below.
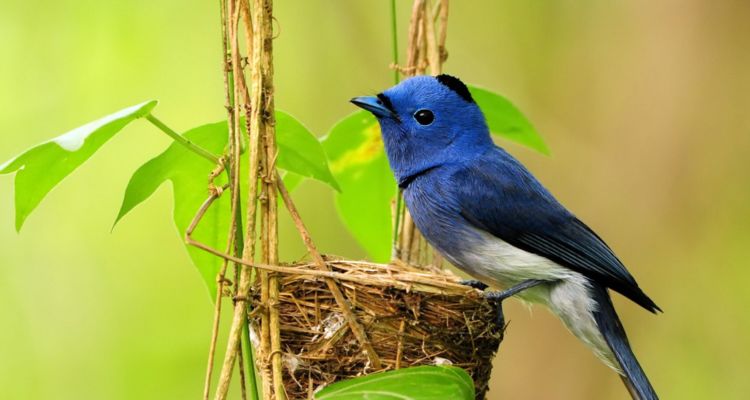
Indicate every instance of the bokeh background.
{"type": "Point", "coordinates": [644, 104]}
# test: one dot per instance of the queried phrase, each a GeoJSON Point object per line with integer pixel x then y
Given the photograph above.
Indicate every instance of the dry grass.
{"type": "Point", "coordinates": [412, 317]}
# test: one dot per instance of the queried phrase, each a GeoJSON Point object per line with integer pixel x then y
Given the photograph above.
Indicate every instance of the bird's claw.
{"type": "Point", "coordinates": [474, 284]}
{"type": "Point", "coordinates": [499, 296]}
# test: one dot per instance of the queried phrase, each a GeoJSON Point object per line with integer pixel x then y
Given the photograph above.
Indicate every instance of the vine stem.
{"type": "Point", "coordinates": [396, 77]}
{"type": "Point", "coordinates": [394, 37]}
{"type": "Point", "coordinates": [404, 225]}
{"type": "Point", "coordinates": [233, 228]}
{"type": "Point", "coordinates": [263, 84]}
{"type": "Point", "coordinates": [247, 23]}
{"type": "Point", "coordinates": [234, 85]}
{"type": "Point", "coordinates": [425, 49]}
{"type": "Point", "coordinates": [220, 280]}
{"type": "Point", "coordinates": [182, 140]}
{"type": "Point", "coordinates": [262, 159]}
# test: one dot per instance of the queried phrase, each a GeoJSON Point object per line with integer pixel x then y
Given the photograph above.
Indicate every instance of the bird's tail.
{"type": "Point", "coordinates": [614, 334]}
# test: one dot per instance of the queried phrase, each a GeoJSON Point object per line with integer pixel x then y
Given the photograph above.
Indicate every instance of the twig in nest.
{"type": "Point", "coordinates": [320, 262]}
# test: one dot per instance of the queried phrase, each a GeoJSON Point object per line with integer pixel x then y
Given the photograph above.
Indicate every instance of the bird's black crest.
{"type": "Point", "coordinates": [455, 84]}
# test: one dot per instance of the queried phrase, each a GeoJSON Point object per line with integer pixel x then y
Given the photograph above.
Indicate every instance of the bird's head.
{"type": "Point", "coordinates": [428, 121]}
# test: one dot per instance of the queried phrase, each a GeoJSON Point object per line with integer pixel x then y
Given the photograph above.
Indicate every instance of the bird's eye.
{"type": "Point", "coordinates": [424, 117]}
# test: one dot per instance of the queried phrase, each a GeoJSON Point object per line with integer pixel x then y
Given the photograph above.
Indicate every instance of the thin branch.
{"type": "Point", "coordinates": [260, 126]}
{"type": "Point", "coordinates": [400, 346]}
{"type": "Point", "coordinates": [407, 235]}
{"type": "Point", "coordinates": [220, 281]}
{"type": "Point", "coordinates": [403, 282]}
{"type": "Point", "coordinates": [182, 140]}
{"type": "Point", "coordinates": [427, 280]}
{"type": "Point", "coordinates": [246, 18]}
{"type": "Point", "coordinates": [220, 277]}
{"type": "Point", "coordinates": [254, 128]}
{"type": "Point", "coordinates": [247, 22]}
{"type": "Point", "coordinates": [394, 37]}
{"type": "Point", "coordinates": [332, 286]}
{"type": "Point", "coordinates": [400, 281]}
{"type": "Point", "coordinates": [396, 77]}
{"type": "Point", "coordinates": [433, 53]}
{"type": "Point", "coordinates": [265, 28]}
{"type": "Point", "coordinates": [443, 30]}
{"type": "Point", "coordinates": [412, 50]}
{"type": "Point", "coordinates": [396, 212]}
{"type": "Point", "coordinates": [404, 225]}
{"type": "Point", "coordinates": [243, 386]}
{"type": "Point", "coordinates": [234, 84]}
{"type": "Point", "coordinates": [426, 48]}
{"type": "Point", "coordinates": [421, 64]}
{"type": "Point", "coordinates": [215, 193]}
{"type": "Point", "coordinates": [225, 65]}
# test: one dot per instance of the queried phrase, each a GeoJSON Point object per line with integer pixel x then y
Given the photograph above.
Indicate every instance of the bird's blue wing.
{"type": "Point", "coordinates": [497, 194]}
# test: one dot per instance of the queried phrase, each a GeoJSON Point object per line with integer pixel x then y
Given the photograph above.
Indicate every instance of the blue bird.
{"type": "Point", "coordinates": [489, 216]}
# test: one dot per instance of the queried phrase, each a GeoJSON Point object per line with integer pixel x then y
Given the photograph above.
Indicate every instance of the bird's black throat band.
{"type": "Point", "coordinates": [404, 182]}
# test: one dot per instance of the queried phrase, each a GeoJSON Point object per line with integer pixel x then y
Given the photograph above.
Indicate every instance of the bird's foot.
{"type": "Point", "coordinates": [474, 284]}
{"type": "Point", "coordinates": [499, 296]}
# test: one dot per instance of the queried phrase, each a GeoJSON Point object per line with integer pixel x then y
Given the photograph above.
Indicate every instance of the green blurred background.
{"type": "Point", "coordinates": [644, 105]}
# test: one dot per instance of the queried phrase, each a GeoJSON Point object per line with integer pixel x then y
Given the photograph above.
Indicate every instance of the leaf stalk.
{"type": "Point", "coordinates": [182, 140]}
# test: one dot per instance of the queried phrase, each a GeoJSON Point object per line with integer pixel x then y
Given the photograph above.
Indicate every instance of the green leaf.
{"type": "Point", "coordinates": [43, 166]}
{"type": "Point", "coordinates": [505, 120]}
{"type": "Point", "coordinates": [187, 172]}
{"type": "Point", "coordinates": [300, 153]}
{"type": "Point", "coordinates": [292, 180]}
{"type": "Point", "coordinates": [358, 162]}
{"type": "Point", "coordinates": [416, 383]}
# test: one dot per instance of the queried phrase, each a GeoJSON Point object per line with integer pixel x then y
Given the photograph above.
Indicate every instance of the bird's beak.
{"type": "Point", "coordinates": [373, 105]}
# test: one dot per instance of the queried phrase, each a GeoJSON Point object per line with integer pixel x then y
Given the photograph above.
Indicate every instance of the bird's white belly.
{"type": "Point", "coordinates": [502, 265]}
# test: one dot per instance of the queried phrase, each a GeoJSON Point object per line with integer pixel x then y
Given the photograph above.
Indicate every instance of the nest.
{"type": "Point", "coordinates": [411, 316]}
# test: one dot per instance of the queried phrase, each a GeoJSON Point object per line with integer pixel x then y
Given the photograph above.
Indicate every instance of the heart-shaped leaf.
{"type": "Point", "coordinates": [187, 172]}
{"type": "Point", "coordinates": [300, 153]}
{"type": "Point", "coordinates": [505, 120]}
{"type": "Point", "coordinates": [416, 383]}
{"type": "Point", "coordinates": [42, 167]}
{"type": "Point", "coordinates": [360, 166]}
